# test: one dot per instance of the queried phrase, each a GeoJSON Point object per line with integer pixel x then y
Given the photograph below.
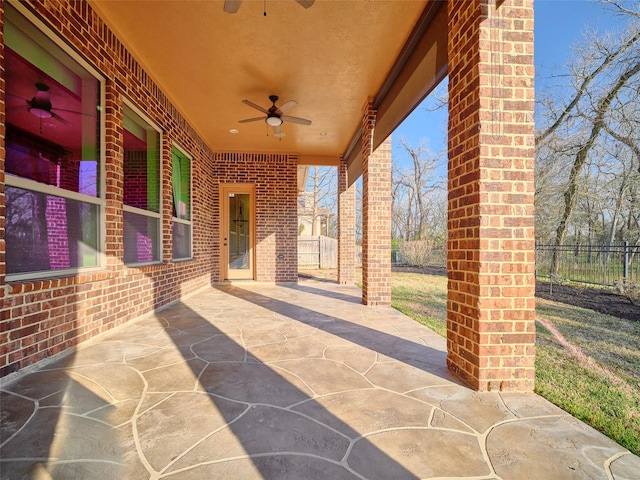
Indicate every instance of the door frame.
{"type": "Point", "coordinates": [225, 190]}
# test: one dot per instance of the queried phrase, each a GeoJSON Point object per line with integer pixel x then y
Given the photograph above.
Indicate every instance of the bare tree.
{"type": "Point", "coordinates": [415, 198]}
{"type": "Point", "coordinates": [600, 115]}
{"type": "Point", "coordinates": [320, 200]}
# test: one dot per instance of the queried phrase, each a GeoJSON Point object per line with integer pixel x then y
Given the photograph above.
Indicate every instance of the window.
{"type": "Point", "coordinates": [181, 225]}
{"type": "Point", "coordinates": [142, 216]}
{"type": "Point", "coordinates": [52, 165]}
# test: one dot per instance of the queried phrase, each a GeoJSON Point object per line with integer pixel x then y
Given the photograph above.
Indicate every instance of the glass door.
{"type": "Point", "coordinates": [238, 229]}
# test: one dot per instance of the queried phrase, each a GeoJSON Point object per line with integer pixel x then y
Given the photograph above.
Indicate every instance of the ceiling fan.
{"type": "Point", "coordinates": [40, 105]}
{"type": "Point", "coordinates": [275, 115]}
{"type": "Point", "coordinates": [232, 6]}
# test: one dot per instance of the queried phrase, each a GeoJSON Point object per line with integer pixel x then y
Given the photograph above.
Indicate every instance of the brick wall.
{"type": "Point", "coordinates": [275, 180]}
{"type": "Point", "coordinates": [491, 304]}
{"type": "Point", "coordinates": [41, 318]}
{"type": "Point", "coordinates": [376, 215]}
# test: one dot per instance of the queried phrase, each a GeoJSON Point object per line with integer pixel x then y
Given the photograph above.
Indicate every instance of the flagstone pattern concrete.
{"type": "Point", "coordinates": [282, 382]}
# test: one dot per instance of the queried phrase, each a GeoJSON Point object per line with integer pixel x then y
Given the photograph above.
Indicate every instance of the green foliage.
{"type": "Point", "coordinates": [629, 290]}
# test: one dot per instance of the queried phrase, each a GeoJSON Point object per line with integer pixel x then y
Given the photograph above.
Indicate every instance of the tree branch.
{"type": "Point", "coordinates": [585, 83]}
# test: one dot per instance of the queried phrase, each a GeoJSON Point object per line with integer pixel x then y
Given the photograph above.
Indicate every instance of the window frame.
{"type": "Point", "coordinates": [140, 211]}
{"type": "Point", "coordinates": [37, 26]}
{"type": "Point", "coordinates": [189, 222]}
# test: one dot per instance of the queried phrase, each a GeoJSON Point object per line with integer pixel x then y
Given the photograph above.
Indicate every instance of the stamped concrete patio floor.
{"type": "Point", "coordinates": [283, 382]}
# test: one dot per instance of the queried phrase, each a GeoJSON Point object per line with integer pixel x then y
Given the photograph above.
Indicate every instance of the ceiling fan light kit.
{"type": "Point", "coordinates": [40, 105]}
{"type": "Point", "coordinates": [40, 112]}
{"type": "Point", "coordinates": [273, 121]}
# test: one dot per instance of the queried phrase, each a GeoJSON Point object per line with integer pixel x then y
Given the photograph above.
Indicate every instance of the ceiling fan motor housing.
{"type": "Point", "coordinates": [273, 118]}
{"type": "Point", "coordinates": [40, 104]}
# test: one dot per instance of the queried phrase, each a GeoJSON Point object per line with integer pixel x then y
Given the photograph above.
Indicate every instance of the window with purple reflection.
{"type": "Point", "coordinates": [141, 238]}
{"type": "Point", "coordinates": [52, 124]}
{"type": "Point", "coordinates": [181, 233]}
{"type": "Point", "coordinates": [49, 233]}
{"type": "Point", "coordinates": [52, 154]}
{"type": "Point", "coordinates": [141, 193]}
{"type": "Point", "coordinates": [181, 222]}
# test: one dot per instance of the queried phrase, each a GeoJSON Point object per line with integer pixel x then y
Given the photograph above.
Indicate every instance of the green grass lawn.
{"type": "Point", "coordinates": [597, 380]}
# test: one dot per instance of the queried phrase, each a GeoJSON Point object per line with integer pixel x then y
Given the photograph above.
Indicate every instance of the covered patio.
{"type": "Point", "coordinates": [133, 176]}
{"type": "Point", "coordinates": [293, 381]}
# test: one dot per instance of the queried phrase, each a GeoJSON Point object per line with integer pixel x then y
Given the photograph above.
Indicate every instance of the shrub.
{"type": "Point", "coordinates": [418, 252]}
{"type": "Point", "coordinates": [629, 290]}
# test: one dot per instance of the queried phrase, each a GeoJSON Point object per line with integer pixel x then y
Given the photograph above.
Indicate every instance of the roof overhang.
{"type": "Point", "coordinates": [331, 58]}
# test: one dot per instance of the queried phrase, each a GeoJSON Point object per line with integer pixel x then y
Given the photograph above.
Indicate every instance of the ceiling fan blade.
{"type": "Point", "coordinates": [247, 120]}
{"type": "Point", "coordinates": [58, 117]}
{"type": "Point", "coordinates": [232, 6]}
{"type": "Point", "coordinates": [305, 3]}
{"type": "Point", "coordinates": [16, 107]}
{"type": "Point", "coordinates": [277, 131]}
{"type": "Point", "coordinates": [10, 95]}
{"type": "Point", "coordinates": [301, 121]}
{"type": "Point", "coordinates": [255, 105]}
{"type": "Point", "coordinates": [286, 107]}
{"type": "Point", "coordinates": [53, 110]}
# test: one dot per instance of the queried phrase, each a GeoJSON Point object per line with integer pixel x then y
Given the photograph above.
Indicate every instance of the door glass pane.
{"type": "Point", "coordinates": [239, 231]}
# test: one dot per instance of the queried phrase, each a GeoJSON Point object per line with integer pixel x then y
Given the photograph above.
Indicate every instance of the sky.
{"type": "Point", "coordinates": [558, 26]}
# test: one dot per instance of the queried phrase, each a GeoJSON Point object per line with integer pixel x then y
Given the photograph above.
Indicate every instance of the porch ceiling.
{"type": "Point", "coordinates": [330, 58]}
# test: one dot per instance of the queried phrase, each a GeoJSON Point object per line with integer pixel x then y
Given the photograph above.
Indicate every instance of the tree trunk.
{"type": "Point", "coordinates": [581, 158]}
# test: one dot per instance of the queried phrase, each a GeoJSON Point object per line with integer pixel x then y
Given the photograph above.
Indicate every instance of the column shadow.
{"type": "Point", "coordinates": [269, 415]}
{"type": "Point", "coordinates": [326, 293]}
{"type": "Point", "coordinates": [413, 354]}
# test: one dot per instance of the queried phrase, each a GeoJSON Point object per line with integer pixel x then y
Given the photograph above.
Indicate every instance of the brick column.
{"type": "Point", "coordinates": [491, 302]}
{"type": "Point", "coordinates": [114, 176]}
{"type": "Point", "coordinates": [376, 215]}
{"type": "Point", "coordinates": [346, 227]}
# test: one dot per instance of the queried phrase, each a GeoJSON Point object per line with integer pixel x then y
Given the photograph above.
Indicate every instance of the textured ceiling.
{"type": "Point", "coordinates": [330, 58]}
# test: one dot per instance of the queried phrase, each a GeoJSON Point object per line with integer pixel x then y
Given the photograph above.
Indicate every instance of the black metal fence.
{"type": "Point", "coordinates": [603, 265]}
{"type": "Point", "coordinates": [595, 264]}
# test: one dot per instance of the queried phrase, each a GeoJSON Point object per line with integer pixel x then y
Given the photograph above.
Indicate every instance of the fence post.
{"type": "Point", "coordinates": [625, 269]}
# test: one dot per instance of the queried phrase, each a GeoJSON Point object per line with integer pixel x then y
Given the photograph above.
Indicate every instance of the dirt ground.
{"type": "Point", "coordinates": [597, 299]}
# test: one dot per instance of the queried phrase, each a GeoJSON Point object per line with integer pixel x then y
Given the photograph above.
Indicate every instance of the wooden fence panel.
{"type": "Point", "coordinates": [309, 252]}
{"type": "Point", "coordinates": [328, 252]}
{"type": "Point", "coordinates": [321, 252]}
